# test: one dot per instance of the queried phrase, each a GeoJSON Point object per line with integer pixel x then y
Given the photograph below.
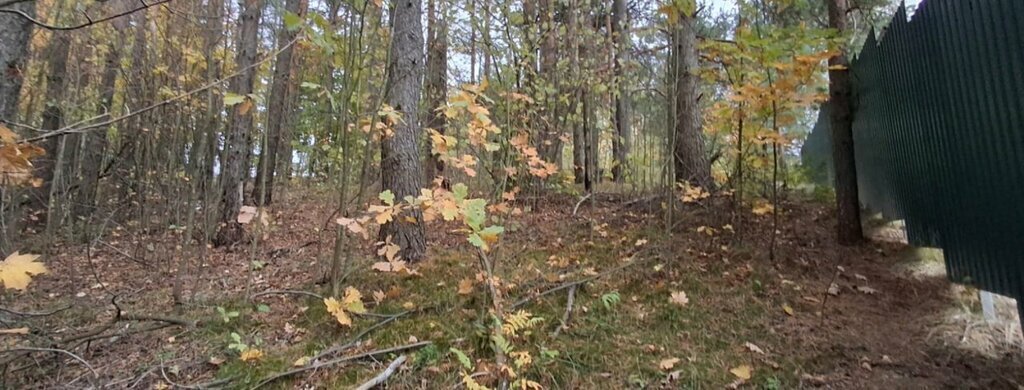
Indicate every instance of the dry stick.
{"type": "Point", "coordinates": [577, 207]}
{"type": "Point", "coordinates": [564, 286]}
{"type": "Point", "coordinates": [359, 336]}
{"type": "Point", "coordinates": [340, 360]}
{"type": "Point", "coordinates": [287, 292]}
{"type": "Point", "coordinates": [69, 129]}
{"type": "Point", "coordinates": [34, 314]}
{"type": "Point", "coordinates": [568, 312]}
{"type": "Point", "coordinates": [55, 350]}
{"type": "Point", "coordinates": [383, 376]}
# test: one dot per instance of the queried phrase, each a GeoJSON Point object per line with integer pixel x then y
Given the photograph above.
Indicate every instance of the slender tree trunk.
{"type": "Point", "coordinates": [277, 109]}
{"type": "Point", "coordinates": [14, 37]}
{"type": "Point", "coordinates": [623, 107]}
{"type": "Point", "coordinates": [53, 114]}
{"type": "Point", "coordinates": [96, 141]}
{"type": "Point", "coordinates": [233, 170]}
{"type": "Point", "coordinates": [689, 156]}
{"type": "Point", "coordinates": [437, 81]}
{"type": "Point", "coordinates": [400, 155]}
{"type": "Point", "coordinates": [847, 202]}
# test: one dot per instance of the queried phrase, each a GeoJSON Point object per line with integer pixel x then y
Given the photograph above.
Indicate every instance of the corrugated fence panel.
{"type": "Point", "coordinates": [939, 134]}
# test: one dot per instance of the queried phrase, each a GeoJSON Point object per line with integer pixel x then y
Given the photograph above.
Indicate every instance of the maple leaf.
{"type": "Point", "coordinates": [465, 286]}
{"type": "Point", "coordinates": [16, 270]}
{"type": "Point", "coordinates": [667, 364]}
{"type": "Point", "coordinates": [743, 372]}
{"type": "Point", "coordinates": [251, 354]}
{"type": "Point", "coordinates": [679, 298]}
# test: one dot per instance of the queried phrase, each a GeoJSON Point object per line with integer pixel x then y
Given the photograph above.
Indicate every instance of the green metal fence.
{"type": "Point", "coordinates": [939, 134]}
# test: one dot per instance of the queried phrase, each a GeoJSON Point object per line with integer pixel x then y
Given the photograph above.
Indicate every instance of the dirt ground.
{"type": "Point", "coordinates": [877, 316]}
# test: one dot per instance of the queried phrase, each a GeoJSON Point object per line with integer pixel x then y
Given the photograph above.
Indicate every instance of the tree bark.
{"type": "Point", "coordinates": [437, 81]}
{"type": "Point", "coordinates": [847, 202]}
{"type": "Point", "coordinates": [623, 107]}
{"type": "Point", "coordinates": [14, 37]}
{"type": "Point", "coordinates": [281, 96]}
{"type": "Point", "coordinates": [237, 138]}
{"type": "Point", "coordinates": [690, 158]}
{"type": "Point", "coordinates": [400, 157]}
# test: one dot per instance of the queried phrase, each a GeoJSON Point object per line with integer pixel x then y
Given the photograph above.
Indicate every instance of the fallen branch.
{"type": "Point", "coordinates": [573, 284]}
{"type": "Point", "coordinates": [383, 376]}
{"type": "Point", "coordinates": [54, 350]}
{"type": "Point", "coordinates": [287, 292]}
{"type": "Point", "coordinates": [34, 314]}
{"type": "Point", "coordinates": [577, 207]}
{"type": "Point", "coordinates": [568, 312]}
{"type": "Point", "coordinates": [352, 342]}
{"type": "Point", "coordinates": [328, 363]}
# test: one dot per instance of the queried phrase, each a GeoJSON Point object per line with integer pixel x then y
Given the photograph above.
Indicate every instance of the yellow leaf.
{"type": "Point", "coordinates": [251, 354]}
{"type": "Point", "coordinates": [465, 286]}
{"type": "Point", "coordinates": [788, 309]}
{"type": "Point", "coordinates": [302, 361]}
{"type": "Point", "coordinates": [667, 364]}
{"type": "Point", "coordinates": [16, 270]}
{"type": "Point", "coordinates": [7, 136]}
{"type": "Point", "coordinates": [334, 307]}
{"type": "Point", "coordinates": [353, 301]}
{"type": "Point", "coordinates": [743, 372]}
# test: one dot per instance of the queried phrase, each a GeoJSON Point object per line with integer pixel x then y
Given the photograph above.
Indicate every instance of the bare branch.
{"type": "Point", "coordinates": [90, 21]}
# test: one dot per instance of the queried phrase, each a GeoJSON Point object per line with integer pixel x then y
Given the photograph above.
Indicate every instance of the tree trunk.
{"type": "Point", "coordinates": [437, 81]}
{"type": "Point", "coordinates": [96, 141]}
{"type": "Point", "coordinates": [400, 157]}
{"type": "Point", "coordinates": [623, 107]}
{"type": "Point", "coordinates": [847, 202]}
{"type": "Point", "coordinates": [281, 97]}
{"type": "Point", "coordinates": [237, 138]}
{"type": "Point", "coordinates": [14, 35]}
{"type": "Point", "coordinates": [53, 114]}
{"type": "Point", "coordinates": [691, 161]}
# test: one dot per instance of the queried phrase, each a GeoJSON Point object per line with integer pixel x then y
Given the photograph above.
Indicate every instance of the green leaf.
{"type": "Point", "coordinates": [463, 359]}
{"type": "Point", "coordinates": [231, 99]}
{"type": "Point", "coordinates": [477, 241]}
{"type": "Point", "coordinates": [387, 197]}
{"type": "Point", "coordinates": [475, 213]}
{"type": "Point", "coordinates": [292, 21]}
{"type": "Point", "coordinates": [262, 308]}
{"type": "Point", "coordinates": [460, 191]}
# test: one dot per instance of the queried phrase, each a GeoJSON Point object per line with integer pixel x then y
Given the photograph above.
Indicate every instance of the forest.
{"type": "Point", "coordinates": [479, 194]}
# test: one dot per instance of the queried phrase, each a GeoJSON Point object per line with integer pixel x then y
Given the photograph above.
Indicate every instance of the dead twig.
{"type": "Point", "coordinates": [577, 207]}
{"type": "Point", "coordinates": [572, 284]}
{"type": "Point", "coordinates": [332, 362]}
{"type": "Point", "coordinates": [568, 312]}
{"type": "Point", "coordinates": [383, 376]}
{"type": "Point", "coordinates": [287, 292]}
{"type": "Point", "coordinates": [22, 350]}
{"type": "Point", "coordinates": [352, 342]}
{"type": "Point", "coordinates": [34, 314]}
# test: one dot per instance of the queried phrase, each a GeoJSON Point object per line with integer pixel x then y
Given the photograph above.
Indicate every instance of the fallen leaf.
{"type": "Point", "coordinates": [743, 372]}
{"type": "Point", "coordinates": [788, 309]}
{"type": "Point", "coordinates": [640, 242]}
{"type": "Point", "coordinates": [679, 298]}
{"type": "Point", "coordinates": [667, 364]}
{"type": "Point", "coordinates": [246, 214]}
{"type": "Point", "coordinates": [16, 270]}
{"type": "Point", "coordinates": [251, 354]}
{"type": "Point", "coordinates": [302, 361]}
{"type": "Point", "coordinates": [860, 277]}
{"type": "Point", "coordinates": [465, 286]}
{"type": "Point", "coordinates": [216, 361]}
{"type": "Point", "coordinates": [867, 290]}
{"type": "Point", "coordinates": [753, 348]}
{"type": "Point", "coordinates": [833, 289]}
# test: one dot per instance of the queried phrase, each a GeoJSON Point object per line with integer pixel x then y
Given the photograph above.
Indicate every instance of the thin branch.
{"type": "Point", "coordinates": [383, 376]}
{"type": "Point", "coordinates": [287, 292]}
{"type": "Point", "coordinates": [70, 129]}
{"type": "Point", "coordinates": [54, 350]}
{"type": "Point", "coordinates": [568, 312]}
{"type": "Point", "coordinates": [90, 21]}
{"type": "Point", "coordinates": [328, 363]}
{"type": "Point", "coordinates": [34, 314]}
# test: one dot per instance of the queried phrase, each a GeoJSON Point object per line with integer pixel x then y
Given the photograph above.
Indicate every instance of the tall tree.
{"type": "Point", "coordinates": [14, 37]}
{"type": "Point", "coordinates": [236, 144]}
{"type": "Point", "coordinates": [847, 202]}
{"type": "Point", "coordinates": [623, 108]}
{"type": "Point", "coordinates": [279, 107]}
{"type": "Point", "coordinates": [689, 156]}
{"type": "Point", "coordinates": [401, 172]}
{"type": "Point", "coordinates": [436, 79]}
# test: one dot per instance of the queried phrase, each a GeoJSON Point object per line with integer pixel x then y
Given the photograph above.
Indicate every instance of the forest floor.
{"type": "Point", "coordinates": [891, 319]}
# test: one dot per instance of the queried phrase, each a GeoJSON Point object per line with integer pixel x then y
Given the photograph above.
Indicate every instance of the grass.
{"type": "Point", "coordinates": [618, 346]}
